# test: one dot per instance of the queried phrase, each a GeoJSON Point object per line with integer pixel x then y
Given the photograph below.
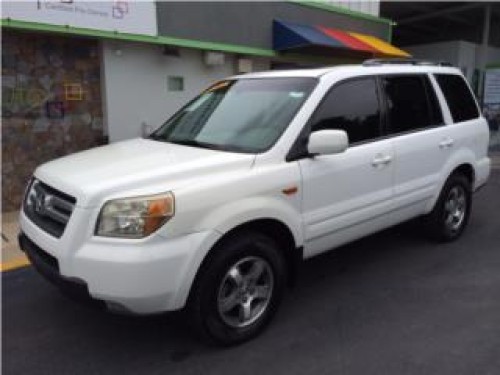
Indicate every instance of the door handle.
{"type": "Point", "coordinates": [381, 160]}
{"type": "Point", "coordinates": [447, 142]}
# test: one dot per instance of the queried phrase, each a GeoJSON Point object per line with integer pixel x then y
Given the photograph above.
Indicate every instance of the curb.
{"type": "Point", "coordinates": [14, 264]}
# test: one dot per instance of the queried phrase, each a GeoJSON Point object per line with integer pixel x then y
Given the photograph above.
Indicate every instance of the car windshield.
{"type": "Point", "coordinates": [245, 115]}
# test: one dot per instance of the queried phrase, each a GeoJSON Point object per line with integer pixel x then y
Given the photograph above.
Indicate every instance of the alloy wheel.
{"type": "Point", "coordinates": [245, 292]}
{"type": "Point", "coordinates": [455, 208]}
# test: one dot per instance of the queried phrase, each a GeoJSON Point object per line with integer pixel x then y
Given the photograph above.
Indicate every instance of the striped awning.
{"type": "Point", "coordinates": [288, 36]}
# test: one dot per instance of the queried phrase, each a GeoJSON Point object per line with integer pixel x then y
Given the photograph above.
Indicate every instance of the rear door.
{"type": "Point", "coordinates": [468, 130]}
{"type": "Point", "coordinates": [421, 140]}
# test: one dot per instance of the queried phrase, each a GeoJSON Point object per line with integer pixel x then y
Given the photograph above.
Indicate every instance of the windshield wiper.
{"type": "Point", "coordinates": [155, 137]}
{"type": "Point", "coordinates": [192, 142]}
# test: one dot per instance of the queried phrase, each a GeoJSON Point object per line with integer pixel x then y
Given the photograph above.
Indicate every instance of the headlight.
{"type": "Point", "coordinates": [135, 217]}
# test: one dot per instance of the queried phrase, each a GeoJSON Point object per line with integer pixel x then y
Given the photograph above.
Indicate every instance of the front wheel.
{"type": "Point", "coordinates": [238, 289]}
{"type": "Point", "coordinates": [450, 215]}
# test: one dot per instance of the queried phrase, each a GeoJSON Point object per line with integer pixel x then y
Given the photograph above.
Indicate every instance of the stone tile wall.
{"type": "Point", "coordinates": [51, 104]}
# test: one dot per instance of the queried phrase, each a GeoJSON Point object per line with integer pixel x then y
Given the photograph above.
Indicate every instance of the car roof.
{"type": "Point", "coordinates": [352, 70]}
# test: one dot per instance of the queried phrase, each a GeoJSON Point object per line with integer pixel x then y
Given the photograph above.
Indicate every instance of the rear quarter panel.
{"type": "Point", "coordinates": [471, 140]}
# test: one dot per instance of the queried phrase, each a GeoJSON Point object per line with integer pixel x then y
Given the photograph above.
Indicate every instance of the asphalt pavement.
{"type": "Point", "coordinates": [392, 303]}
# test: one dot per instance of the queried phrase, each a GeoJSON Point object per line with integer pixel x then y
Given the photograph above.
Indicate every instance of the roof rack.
{"type": "Point", "coordinates": [377, 62]}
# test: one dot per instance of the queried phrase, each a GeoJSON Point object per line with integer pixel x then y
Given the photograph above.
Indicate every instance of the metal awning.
{"type": "Point", "coordinates": [289, 36]}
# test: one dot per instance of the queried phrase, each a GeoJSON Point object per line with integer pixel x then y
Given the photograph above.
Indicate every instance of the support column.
{"type": "Point", "coordinates": [483, 54]}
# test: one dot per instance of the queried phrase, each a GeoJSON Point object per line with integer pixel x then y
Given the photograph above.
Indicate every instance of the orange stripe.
{"type": "Point", "coordinates": [382, 47]}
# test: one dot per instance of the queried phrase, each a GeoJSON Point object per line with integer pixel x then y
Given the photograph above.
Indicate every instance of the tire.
{"type": "Point", "coordinates": [449, 217]}
{"type": "Point", "coordinates": [238, 289]}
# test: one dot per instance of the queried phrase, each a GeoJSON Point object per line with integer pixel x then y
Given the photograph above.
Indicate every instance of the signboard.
{"type": "Point", "coordinates": [133, 17]}
{"type": "Point", "coordinates": [492, 105]}
{"type": "Point", "coordinates": [492, 86]}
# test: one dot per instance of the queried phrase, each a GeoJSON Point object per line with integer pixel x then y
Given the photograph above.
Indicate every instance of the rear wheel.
{"type": "Point", "coordinates": [238, 289]}
{"type": "Point", "coordinates": [450, 215]}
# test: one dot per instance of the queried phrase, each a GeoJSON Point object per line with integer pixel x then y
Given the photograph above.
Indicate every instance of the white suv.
{"type": "Point", "coordinates": [215, 210]}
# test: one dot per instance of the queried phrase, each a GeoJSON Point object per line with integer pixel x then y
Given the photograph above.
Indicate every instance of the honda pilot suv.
{"type": "Point", "coordinates": [214, 211]}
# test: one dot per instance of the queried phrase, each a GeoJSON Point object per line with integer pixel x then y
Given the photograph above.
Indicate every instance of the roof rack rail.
{"type": "Point", "coordinates": [376, 62]}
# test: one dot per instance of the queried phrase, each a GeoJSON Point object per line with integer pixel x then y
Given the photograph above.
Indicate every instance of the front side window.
{"type": "Point", "coordinates": [408, 107]}
{"type": "Point", "coordinates": [352, 106]}
{"type": "Point", "coordinates": [246, 115]}
{"type": "Point", "coordinates": [458, 96]}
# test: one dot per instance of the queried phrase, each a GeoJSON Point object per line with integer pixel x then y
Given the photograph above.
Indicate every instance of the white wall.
{"type": "Point", "coordinates": [445, 51]}
{"type": "Point", "coordinates": [467, 59]}
{"type": "Point", "coordinates": [462, 54]}
{"type": "Point", "coordinates": [135, 84]}
{"type": "Point", "coordinates": [371, 7]}
{"type": "Point", "coordinates": [493, 55]}
{"type": "Point", "coordinates": [455, 52]}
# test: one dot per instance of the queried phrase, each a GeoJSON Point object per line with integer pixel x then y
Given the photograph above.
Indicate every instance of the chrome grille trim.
{"type": "Point", "coordinates": [47, 207]}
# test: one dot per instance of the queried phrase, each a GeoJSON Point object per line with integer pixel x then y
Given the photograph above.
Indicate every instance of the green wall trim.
{"type": "Point", "coordinates": [188, 43]}
{"type": "Point", "coordinates": [162, 40]}
{"type": "Point", "coordinates": [389, 34]}
{"type": "Point", "coordinates": [178, 42]}
{"type": "Point", "coordinates": [493, 66]}
{"type": "Point", "coordinates": [321, 4]}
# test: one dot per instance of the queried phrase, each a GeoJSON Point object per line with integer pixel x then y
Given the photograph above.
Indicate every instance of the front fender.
{"type": "Point", "coordinates": [233, 214]}
{"type": "Point", "coordinates": [223, 219]}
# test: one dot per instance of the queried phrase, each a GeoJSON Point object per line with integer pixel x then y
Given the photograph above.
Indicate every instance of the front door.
{"type": "Point", "coordinates": [346, 195]}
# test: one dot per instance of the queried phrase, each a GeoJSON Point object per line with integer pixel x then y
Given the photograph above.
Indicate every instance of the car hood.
{"type": "Point", "coordinates": [138, 166]}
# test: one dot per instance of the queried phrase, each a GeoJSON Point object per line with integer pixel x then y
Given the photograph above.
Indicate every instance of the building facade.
{"type": "Point", "coordinates": [467, 35]}
{"type": "Point", "coordinates": [79, 74]}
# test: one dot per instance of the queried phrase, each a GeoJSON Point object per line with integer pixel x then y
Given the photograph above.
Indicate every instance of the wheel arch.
{"type": "Point", "coordinates": [277, 231]}
{"type": "Point", "coordinates": [467, 170]}
{"type": "Point", "coordinates": [465, 167]}
{"type": "Point", "coordinates": [274, 228]}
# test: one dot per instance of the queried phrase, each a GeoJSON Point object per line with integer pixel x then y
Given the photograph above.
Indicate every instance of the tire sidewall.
{"type": "Point", "coordinates": [207, 288]}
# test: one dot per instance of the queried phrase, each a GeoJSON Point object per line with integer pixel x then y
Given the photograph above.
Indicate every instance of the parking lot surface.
{"type": "Point", "coordinates": [392, 303]}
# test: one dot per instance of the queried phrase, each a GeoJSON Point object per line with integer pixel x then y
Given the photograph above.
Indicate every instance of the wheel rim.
{"type": "Point", "coordinates": [245, 292]}
{"type": "Point", "coordinates": [455, 208]}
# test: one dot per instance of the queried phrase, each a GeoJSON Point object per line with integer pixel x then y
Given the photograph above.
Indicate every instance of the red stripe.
{"type": "Point", "coordinates": [346, 39]}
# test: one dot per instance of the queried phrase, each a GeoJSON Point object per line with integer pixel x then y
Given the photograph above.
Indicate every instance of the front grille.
{"type": "Point", "coordinates": [48, 208]}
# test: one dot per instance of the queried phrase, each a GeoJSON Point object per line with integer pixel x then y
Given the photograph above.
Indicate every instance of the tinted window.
{"type": "Point", "coordinates": [408, 107]}
{"type": "Point", "coordinates": [460, 100]}
{"type": "Point", "coordinates": [351, 106]}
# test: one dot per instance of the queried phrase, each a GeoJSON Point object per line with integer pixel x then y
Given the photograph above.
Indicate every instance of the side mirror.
{"type": "Point", "coordinates": [327, 142]}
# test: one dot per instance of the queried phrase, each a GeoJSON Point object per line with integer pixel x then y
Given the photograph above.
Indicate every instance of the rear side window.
{"type": "Point", "coordinates": [460, 100]}
{"type": "Point", "coordinates": [352, 106]}
{"type": "Point", "coordinates": [411, 103]}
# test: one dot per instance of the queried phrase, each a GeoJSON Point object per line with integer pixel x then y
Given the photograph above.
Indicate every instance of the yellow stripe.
{"type": "Point", "coordinates": [384, 47]}
{"type": "Point", "coordinates": [14, 263]}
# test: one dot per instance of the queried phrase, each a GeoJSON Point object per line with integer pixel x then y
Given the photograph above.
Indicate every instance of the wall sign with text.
{"type": "Point", "coordinates": [492, 86]}
{"type": "Point", "coordinates": [491, 105]}
{"type": "Point", "coordinates": [133, 17]}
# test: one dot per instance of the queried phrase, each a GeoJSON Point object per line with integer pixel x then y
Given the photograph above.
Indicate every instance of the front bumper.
{"type": "Point", "coordinates": [145, 277]}
{"type": "Point", "coordinates": [48, 267]}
